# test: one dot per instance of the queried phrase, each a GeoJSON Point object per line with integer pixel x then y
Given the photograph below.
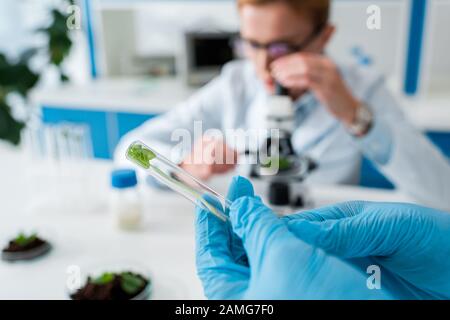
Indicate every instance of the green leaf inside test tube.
{"type": "Point", "coordinates": [140, 155]}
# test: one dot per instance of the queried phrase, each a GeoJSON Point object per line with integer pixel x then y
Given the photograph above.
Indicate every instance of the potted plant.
{"type": "Point", "coordinates": [25, 247]}
{"type": "Point", "coordinates": [125, 285]}
{"type": "Point", "coordinates": [18, 78]}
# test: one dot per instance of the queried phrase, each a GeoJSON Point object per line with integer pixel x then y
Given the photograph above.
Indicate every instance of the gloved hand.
{"type": "Point", "coordinates": [221, 260]}
{"type": "Point", "coordinates": [280, 266]}
{"type": "Point", "coordinates": [410, 243]}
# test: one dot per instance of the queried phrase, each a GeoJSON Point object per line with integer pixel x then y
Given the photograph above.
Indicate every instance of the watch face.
{"type": "Point", "coordinates": [363, 121]}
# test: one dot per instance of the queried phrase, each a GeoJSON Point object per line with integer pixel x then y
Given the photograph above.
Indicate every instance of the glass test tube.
{"type": "Point", "coordinates": [171, 175]}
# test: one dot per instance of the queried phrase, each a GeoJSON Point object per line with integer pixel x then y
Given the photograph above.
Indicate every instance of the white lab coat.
{"type": "Point", "coordinates": [235, 100]}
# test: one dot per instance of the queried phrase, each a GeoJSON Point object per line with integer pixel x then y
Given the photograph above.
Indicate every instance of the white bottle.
{"type": "Point", "coordinates": [126, 205]}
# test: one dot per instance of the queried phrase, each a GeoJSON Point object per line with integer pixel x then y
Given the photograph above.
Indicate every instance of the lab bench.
{"type": "Point", "coordinates": [111, 108]}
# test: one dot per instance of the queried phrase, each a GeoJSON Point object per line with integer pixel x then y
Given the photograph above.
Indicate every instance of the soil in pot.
{"type": "Point", "coordinates": [25, 247]}
{"type": "Point", "coordinates": [114, 286]}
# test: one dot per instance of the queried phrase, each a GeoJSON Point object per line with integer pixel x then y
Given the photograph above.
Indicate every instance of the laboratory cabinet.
{"type": "Point", "coordinates": [105, 127]}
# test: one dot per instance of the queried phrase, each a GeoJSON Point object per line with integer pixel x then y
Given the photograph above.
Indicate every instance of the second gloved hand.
{"type": "Point", "coordinates": [410, 243]}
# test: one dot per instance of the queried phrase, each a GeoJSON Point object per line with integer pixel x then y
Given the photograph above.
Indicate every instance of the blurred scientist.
{"type": "Point", "coordinates": [342, 113]}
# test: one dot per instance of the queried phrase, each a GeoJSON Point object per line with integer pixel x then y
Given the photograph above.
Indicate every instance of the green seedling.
{"type": "Point", "coordinates": [141, 155]}
{"type": "Point", "coordinates": [103, 279]}
{"type": "Point", "coordinates": [129, 282]}
{"type": "Point", "coordinates": [23, 240]}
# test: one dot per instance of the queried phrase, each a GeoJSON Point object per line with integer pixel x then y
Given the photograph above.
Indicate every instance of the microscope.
{"type": "Point", "coordinates": [277, 163]}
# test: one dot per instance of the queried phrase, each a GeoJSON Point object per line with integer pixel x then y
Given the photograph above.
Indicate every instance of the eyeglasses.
{"type": "Point", "coordinates": [278, 49]}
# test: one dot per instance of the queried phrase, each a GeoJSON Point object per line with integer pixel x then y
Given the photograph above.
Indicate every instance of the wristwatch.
{"type": "Point", "coordinates": [363, 121]}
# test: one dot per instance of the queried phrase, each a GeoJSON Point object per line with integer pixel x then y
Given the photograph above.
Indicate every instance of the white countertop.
{"type": "Point", "coordinates": [88, 238]}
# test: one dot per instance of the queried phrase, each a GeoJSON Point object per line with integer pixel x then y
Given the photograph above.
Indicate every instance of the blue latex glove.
{"type": "Point", "coordinates": [281, 266]}
{"type": "Point", "coordinates": [410, 243]}
{"type": "Point", "coordinates": [222, 264]}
